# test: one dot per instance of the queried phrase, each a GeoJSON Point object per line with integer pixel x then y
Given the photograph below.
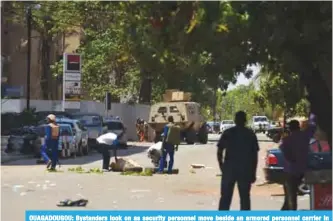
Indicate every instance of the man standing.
{"type": "Point", "coordinates": [171, 141]}
{"type": "Point", "coordinates": [52, 135]}
{"type": "Point", "coordinates": [295, 148]}
{"type": "Point", "coordinates": [239, 164]}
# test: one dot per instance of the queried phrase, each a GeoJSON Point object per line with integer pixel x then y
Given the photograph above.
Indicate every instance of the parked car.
{"type": "Point", "coordinates": [226, 124]}
{"type": "Point", "coordinates": [274, 165]}
{"type": "Point", "coordinates": [80, 134]}
{"type": "Point", "coordinates": [94, 124]}
{"type": "Point", "coordinates": [116, 126]}
{"type": "Point", "coordinates": [67, 138]}
{"type": "Point", "coordinates": [209, 129]}
{"type": "Point", "coordinates": [260, 124]}
{"type": "Point", "coordinates": [215, 126]}
{"type": "Point", "coordinates": [22, 140]}
{"type": "Point", "coordinates": [41, 115]}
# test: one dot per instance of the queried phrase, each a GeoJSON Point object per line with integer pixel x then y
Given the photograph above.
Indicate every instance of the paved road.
{"type": "Point", "coordinates": [25, 185]}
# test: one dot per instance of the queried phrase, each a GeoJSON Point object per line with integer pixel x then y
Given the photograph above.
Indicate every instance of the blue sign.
{"type": "Point", "coordinates": [12, 91]}
{"type": "Point", "coordinates": [178, 215]}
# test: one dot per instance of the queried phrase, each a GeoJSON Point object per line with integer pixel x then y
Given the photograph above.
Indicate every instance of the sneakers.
{"type": "Point", "coordinates": [105, 170]}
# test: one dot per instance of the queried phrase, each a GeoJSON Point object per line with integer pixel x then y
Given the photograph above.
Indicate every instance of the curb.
{"type": "Point", "coordinates": [7, 159]}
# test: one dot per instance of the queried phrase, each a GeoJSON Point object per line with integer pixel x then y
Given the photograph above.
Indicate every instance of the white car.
{"type": "Point", "coordinates": [260, 124]}
{"type": "Point", "coordinates": [116, 126]}
{"type": "Point", "coordinates": [226, 124]}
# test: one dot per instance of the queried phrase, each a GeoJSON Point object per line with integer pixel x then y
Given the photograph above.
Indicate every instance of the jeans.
{"type": "Point", "coordinates": [55, 153]}
{"type": "Point", "coordinates": [44, 154]}
{"type": "Point", "coordinates": [290, 188]}
{"type": "Point", "coordinates": [104, 150]}
{"type": "Point", "coordinates": [168, 150]}
{"type": "Point", "coordinates": [227, 189]}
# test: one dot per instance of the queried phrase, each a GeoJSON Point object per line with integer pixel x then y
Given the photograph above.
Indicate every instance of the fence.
{"type": "Point", "coordinates": [128, 113]}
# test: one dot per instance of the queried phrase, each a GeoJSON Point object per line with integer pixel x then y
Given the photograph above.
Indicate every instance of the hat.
{"type": "Point", "coordinates": [51, 117]}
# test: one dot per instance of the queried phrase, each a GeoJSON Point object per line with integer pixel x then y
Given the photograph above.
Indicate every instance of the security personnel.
{"type": "Point", "coordinates": [52, 135]}
{"type": "Point", "coordinates": [239, 164]}
{"type": "Point", "coordinates": [168, 149]}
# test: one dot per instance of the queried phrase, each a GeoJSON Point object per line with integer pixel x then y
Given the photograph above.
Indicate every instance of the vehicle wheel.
{"type": "Point", "coordinates": [303, 189]}
{"type": "Point", "coordinates": [157, 137]}
{"type": "Point", "coordinates": [79, 149]}
{"type": "Point", "coordinates": [86, 150]}
{"type": "Point", "coordinates": [203, 136]}
{"type": "Point", "coordinates": [190, 137]}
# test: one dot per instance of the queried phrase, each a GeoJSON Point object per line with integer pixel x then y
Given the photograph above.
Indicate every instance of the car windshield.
{"type": "Point", "coordinates": [228, 122]}
{"type": "Point", "coordinates": [260, 119]}
{"type": "Point", "coordinates": [65, 131]}
{"type": "Point", "coordinates": [115, 125]}
{"type": "Point", "coordinates": [89, 121]}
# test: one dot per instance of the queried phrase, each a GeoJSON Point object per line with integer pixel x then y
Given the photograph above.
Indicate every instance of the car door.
{"type": "Point", "coordinates": [78, 133]}
{"type": "Point", "coordinates": [84, 133]}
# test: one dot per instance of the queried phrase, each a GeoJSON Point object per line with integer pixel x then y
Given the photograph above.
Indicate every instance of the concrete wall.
{"type": "Point", "coordinates": [128, 113]}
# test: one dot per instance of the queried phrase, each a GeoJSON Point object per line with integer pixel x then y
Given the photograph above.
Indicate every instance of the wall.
{"type": "Point", "coordinates": [128, 113]}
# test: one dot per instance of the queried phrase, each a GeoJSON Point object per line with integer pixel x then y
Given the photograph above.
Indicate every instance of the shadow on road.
{"type": "Point", "coordinates": [268, 141]}
{"type": "Point", "coordinates": [90, 158]}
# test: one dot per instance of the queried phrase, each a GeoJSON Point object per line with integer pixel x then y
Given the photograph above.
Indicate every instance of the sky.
{"type": "Point", "coordinates": [242, 80]}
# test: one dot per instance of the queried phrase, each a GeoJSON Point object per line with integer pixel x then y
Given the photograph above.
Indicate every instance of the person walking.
{"type": "Point", "coordinates": [170, 143]}
{"type": "Point", "coordinates": [106, 142]}
{"type": "Point", "coordinates": [295, 149]}
{"type": "Point", "coordinates": [52, 135]}
{"type": "Point", "coordinates": [239, 164]}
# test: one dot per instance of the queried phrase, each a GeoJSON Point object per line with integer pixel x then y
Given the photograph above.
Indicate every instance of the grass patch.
{"type": "Point", "coordinates": [81, 170]}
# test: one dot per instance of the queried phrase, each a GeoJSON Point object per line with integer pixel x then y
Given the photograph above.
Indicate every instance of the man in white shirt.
{"type": "Point", "coordinates": [105, 142]}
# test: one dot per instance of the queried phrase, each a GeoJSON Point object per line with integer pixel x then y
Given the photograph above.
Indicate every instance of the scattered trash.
{"type": "Point", "coordinates": [45, 187]}
{"type": "Point", "coordinates": [192, 171]}
{"type": "Point", "coordinates": [16, 187]}
{"type": "Point", "coordinates": [76, 203]}
{"type": "Point", "coordinates": [197, 166]}
{"type": "Point", "coordinates": [47, 181]}
{"type": "Point", "coordinates": [31, 182]}
{"type": "Point", "coordinates": [38, 185]}
{"type": "Point", "coordinates": [81, 170]}
{"type": "Point", "coordinates": [23, 194]}
{"type": "Point", "coordinates": [52, 184]}
{"type": "Point", "coordinates": [139, 191]}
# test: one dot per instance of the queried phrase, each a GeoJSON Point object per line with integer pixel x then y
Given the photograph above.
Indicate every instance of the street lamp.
{"type": "Point", "coordinates": [28, 17]}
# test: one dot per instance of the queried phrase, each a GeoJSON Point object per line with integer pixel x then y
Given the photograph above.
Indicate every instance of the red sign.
{"type": "Point", "coordinates": [73, 62]}
{"type": "Point", "coordinates": [322, 196]}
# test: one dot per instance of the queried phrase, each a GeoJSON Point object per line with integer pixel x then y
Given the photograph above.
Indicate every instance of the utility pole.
{"type": "Point", "coordinates": [28, 14]}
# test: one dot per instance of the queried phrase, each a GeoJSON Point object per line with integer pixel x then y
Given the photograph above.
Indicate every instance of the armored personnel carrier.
{"type": "Point", "coordinates": [185, 113]}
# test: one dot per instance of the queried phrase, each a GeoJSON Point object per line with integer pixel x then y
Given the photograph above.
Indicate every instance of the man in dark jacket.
{"type": "Point", "coordinates": [295, 148]}
{"type": "Point", "coordinates": [239, 164]}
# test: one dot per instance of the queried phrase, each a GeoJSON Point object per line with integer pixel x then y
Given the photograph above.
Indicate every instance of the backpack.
{"type": "Point", "coordinates": [173, 136]}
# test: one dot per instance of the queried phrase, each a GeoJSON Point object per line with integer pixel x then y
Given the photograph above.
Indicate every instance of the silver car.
{"type": "Point", "coordinates": [80, 135]}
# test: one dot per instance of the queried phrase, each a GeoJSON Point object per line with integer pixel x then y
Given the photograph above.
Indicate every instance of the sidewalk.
{"type": "Point", "coordinates": [5, 158]}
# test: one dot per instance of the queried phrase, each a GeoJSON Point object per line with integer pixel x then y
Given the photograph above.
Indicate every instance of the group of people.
{"type": "Point", "coordinates": [141, 130]}
{"type": "Point", "coordinates": [241, 145]}
{"type": "Point", "coordinates": [236, 144]}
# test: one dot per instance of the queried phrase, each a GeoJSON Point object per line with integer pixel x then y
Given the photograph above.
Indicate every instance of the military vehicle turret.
{"type": "Point", "coordinates": [185, 113]}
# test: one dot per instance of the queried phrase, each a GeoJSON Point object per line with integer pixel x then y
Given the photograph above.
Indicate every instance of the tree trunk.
{"type": "Point", "coordinates": [145, 90]}
{"type": "Point", "coordinates": [321, 101]}
{"type": "Point", "coordinates": [45, 60]}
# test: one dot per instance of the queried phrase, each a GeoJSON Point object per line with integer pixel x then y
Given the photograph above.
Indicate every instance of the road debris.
{"type": "Point", "coordinates": [197, 166]}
